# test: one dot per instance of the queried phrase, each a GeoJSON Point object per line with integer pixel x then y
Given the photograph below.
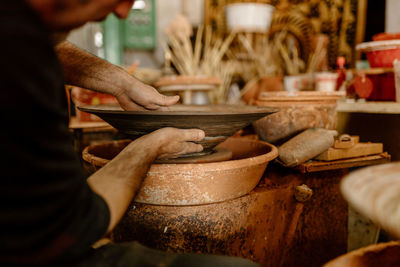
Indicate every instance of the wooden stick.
{"type": "Point", "coordinates": [198, 47]}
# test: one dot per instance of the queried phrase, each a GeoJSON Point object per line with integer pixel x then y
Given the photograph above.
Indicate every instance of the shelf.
{"type": "Point", "coordinates": [369, 107]}
{"type": "Point", "coordinates": [90, 126]}
{"type": "Point", "coordinates": [374, 71]}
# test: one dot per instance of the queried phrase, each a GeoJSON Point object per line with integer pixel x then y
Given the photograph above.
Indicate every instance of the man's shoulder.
{"type": "Point", "coordinates": [18, 18]}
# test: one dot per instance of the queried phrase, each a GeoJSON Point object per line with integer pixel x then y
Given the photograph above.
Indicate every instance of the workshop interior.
{"type": "Point", "coordinates": [296, 109]}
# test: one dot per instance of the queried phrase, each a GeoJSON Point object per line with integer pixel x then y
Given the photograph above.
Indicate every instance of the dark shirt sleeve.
{"type": "Point", "coordinates": [48, 212]}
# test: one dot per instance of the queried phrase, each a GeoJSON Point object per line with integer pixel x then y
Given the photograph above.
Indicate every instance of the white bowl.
{"type": "Point", "coordinates": [249, 17]}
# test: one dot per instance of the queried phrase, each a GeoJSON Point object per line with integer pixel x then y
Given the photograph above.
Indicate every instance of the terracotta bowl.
{"type": "Point", "coordinates": [218, 121]}
{"type": "Point", "coordinates": [384, 254]}
{"type": "Point", "coordinates": [298, 111]}
{"type": "Point", "coordinates": [199, 183]}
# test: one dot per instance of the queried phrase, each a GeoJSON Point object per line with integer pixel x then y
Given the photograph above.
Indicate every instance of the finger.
{"type": "Point", "coordinates": [164, 108]}
{"type": "Point", "coordinates": [163, 100]}
{"type": "Point", "coordinates": [192, 148]}
{"type": "Point", "coordinates": [179, 149]}
{"type": "Point", "coordinates": [127, 104]}
{"type": "Point", "coordinates": [193, 135]}
{"type": "Point", "coordinates": [152, 107]}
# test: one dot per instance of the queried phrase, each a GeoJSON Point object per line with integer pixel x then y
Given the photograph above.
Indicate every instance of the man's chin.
{"type": "Point", "coordinates": [100, 19]}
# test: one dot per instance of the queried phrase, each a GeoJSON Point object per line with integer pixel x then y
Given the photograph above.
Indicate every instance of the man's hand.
{"type": "Point", "coordinates": [139, 96]}
{"type": "Point", "coordinates": [175, 142]}
{"type": "Point", "coordinates": [120, 179]}
{"type": "Point", "coordinates": [87, 71]}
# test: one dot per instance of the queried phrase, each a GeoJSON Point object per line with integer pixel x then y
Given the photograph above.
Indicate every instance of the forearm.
{"type": "Point", "coordinates": [85, 70]}
{"type": "Point", "coordinates": [119, 181]}
{"type": "Point", "coordinates": [88, 71]}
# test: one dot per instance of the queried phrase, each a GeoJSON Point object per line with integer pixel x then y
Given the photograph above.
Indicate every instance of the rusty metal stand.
{"type": "Point", "coordinates": [268, 225]}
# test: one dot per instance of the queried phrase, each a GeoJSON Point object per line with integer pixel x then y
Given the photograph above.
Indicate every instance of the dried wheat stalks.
{"type": "Point", "coordinates": [317, 57]}
{"type": "Point", "coordinates": [204, 59]}
{"type": "Point", "coordinates": [263, 56]}
{"type": "Point", "coordinates": [292, 63]}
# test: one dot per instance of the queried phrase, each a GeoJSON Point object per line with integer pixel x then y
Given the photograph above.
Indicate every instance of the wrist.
{"type": "Point", "coordinates": [125, 82]}
{"type": "Point", "coordinates": [148, 146]}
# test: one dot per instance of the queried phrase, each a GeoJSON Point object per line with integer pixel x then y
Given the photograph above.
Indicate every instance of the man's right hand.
{"type": "Point", "coordinates": [120, 179]}
{"type": "Point", "coordinates": [174, 142]}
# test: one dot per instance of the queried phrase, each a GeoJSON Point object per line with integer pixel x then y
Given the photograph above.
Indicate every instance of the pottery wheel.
{"type": "Point", "coordinates": [217, 155]}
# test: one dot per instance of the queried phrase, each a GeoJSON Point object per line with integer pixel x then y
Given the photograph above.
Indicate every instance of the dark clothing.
{"type": "Point", "coordinates": [47, 210]}
{"type": "Point", "coordinates": [48, 214]}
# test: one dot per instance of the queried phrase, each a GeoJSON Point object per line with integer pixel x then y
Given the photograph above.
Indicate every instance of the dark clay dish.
{"type": "Point", "coordinates": [218, 121]}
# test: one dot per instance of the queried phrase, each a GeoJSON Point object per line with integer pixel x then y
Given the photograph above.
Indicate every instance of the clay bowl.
{"type": "Point", "coordinates": [384, 254]}
{"type": "Point", "coordinates": [298, 111]}
{"type": "Point", "coordinates": [375, 193]}
{"type": "Point", "coordinates": [195, 183]}
{"type": "Point", "coordinates": [218, 121]}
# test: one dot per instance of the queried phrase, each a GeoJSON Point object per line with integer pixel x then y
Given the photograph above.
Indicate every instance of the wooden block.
{"type": "Point", "coordinates": [346, 143]}
{"type": "Point", "coordinates": [358, 150]}
{"type": "Point", "coordinates": [317, 166]}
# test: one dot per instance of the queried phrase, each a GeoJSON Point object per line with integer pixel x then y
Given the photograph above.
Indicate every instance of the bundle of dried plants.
{"type": "Point", "coordinates": [204, 59]}
{"type": "Point", "coordinates": [263, 56]}
{"type": "Point", "coordinates": [293, 64]}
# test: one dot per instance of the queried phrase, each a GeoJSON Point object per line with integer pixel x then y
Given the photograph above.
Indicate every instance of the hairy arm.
{"type": "Point", "coordinates": [88, 71]}
{"type": "Point", "coordinates": [119, 181]}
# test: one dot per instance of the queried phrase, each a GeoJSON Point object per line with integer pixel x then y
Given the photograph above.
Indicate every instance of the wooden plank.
{"type": "Point", "coordinates": [378, 107]}
{"type": "Point", "coordinates": [89, 126]}
{"type": "Point", "coordinates": [358, 150]}
{"type": "Point", "coordinates": [374, 71]}
{"type": "Point", "coordinates": [316, 166]}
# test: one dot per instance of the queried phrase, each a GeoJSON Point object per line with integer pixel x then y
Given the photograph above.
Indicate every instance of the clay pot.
{"type": "Point", "coordinates": [217, 121]}
{"type": "Point", "coordinates": [193, 90]}
{"type": "Point", "coordinates": [298, 111]}
{"type": "Point", "coordinates": [200, 183]}
{"type": "Point", "coordinates": [385, 254]}
{"type": "Point", "coordinates": [264, 84]}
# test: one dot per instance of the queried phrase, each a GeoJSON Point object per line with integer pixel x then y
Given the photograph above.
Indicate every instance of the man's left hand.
{"type": "Point", "coordinates": [144, 97]}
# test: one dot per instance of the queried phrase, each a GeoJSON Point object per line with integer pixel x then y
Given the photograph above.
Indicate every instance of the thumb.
{"type": "Point", "coordinates": [164, 100]}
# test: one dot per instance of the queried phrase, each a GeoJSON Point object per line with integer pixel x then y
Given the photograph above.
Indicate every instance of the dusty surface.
{"type": "Point", "coordinates": [267, 225]}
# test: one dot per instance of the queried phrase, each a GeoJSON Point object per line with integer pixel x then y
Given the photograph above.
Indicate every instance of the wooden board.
{"type": "Point", "coordinates": [344, 143]}
{"type": "Point", "coordinates": [374, 71]}
{"type": "Point", "coordinates": [358, 150]}
{"type": "Point", "coordinates": [317, 166]}
{"type": "Point", "coordinates": [89, 126]}
{"type": "Point", "coordinates": [380, 107]}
